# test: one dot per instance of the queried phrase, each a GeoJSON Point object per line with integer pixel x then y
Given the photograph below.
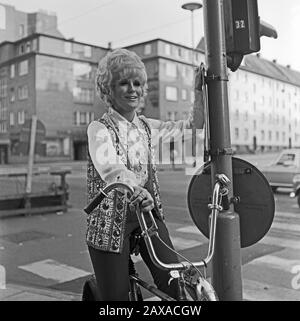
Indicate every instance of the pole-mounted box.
{"type": "Point", "coordinates": [242, 26]}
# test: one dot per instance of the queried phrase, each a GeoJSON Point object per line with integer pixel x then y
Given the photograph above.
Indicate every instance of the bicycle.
{"type": "Point", "coordinates": [192, 284]}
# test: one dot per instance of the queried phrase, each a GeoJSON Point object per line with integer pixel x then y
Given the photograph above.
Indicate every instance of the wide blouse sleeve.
{"type": "Point", "coordinates": [104, 157]}
{"type": "Point", "coordinates": [167, 130]}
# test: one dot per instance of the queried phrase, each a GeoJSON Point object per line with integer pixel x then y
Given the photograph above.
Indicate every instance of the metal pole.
{"type": "Point", "coordinates": [226, 267]}
{"type": "Point", "coordinates": [31, 154]}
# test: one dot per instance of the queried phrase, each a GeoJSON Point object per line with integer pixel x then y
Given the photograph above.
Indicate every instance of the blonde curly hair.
{"type": "Point", "coordinates": [114, 62]}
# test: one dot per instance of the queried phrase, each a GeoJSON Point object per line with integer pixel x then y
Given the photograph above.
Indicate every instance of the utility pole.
{"type": "Point", "coordinates": [226, 267]}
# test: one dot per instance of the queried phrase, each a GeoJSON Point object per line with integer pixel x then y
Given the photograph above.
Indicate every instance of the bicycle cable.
{"type": "Point", "coordinates": [183, 257]}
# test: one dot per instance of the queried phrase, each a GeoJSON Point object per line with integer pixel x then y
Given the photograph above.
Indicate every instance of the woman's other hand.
{"type": "Point", "coordinates": [143, 197]}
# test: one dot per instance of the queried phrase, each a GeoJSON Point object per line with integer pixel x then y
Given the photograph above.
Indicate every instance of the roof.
{"type": "Point", "coordinates": [272, 69]}
{"type": "Point", "coordinates": [254, 63]}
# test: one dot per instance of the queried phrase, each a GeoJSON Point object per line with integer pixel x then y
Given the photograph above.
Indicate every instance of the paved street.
{"type": "Point", "coordinates": [48, 251]}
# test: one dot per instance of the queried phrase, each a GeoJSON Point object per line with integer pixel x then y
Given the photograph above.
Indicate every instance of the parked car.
{"type": "Point", "coordinates": [285, 171]}
{"type": "Point", "coordinates": [296, 188]}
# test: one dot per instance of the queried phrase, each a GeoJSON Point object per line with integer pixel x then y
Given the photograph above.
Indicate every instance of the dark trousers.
{"type": "Point", "coordinates": [111, 269]}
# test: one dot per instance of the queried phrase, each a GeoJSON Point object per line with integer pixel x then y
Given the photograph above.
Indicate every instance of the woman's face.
{"type": "Point", "coordinates": [127, 91]}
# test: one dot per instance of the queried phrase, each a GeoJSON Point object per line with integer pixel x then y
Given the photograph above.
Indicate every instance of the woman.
{"type": "Point", "coordinates": [121, 149]}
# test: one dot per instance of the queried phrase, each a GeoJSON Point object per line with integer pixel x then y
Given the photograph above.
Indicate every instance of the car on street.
{"type": "Point", "coordinates": [284, 171]}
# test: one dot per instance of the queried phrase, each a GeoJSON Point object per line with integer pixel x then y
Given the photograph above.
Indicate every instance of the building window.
{"type": "Point", "coordinates": [246, 116]}
{"type": "Point", "coordinates": [184, 94]}
{"type": "Point", "coordinates": [270, 135]}
{"type": "Point", "coordinates": [21, 49]}
{"type": "Point", "coordinates": [3, 128]}
{"type": "Point", "coordinates": [12, 95]}
{"type": "Point", "coordinates": [254, 124]}
{"type": "Point", "coordinates": [171, 69]}
{"type": "Point", "coordinates": [87, 51]}
{"type": "Point", "coordinates": [147, 49]}
{"type": "Point", "coordinates": [283, 136]}
{"type": "Point", "coordinates": [11, 119]}
{"type": "Point", "coordinates": [92, 116]}
{"type": "Point", "coordinates": [21, 117]}
{"type": "Point", "coordinates": [83, 95]}
{"type": "Point", "coordinates": [262, 135]}
{"type": "Point", "coordinates": [237, 114]}
{"type": "Point", "coordinates": [167, 49]}
{"type": "Point", "coordinates": [236, 133]}
{"type": "Point", "coordinates": [277, 136]}
{"type": "Point", "coordinates": [171, 93]}
{"type": "Point", "coordinates": [28, 46]}
{"type": "Point", "coordinates": [180, 52]}
{"type": "Point", "coordinates": [23, 92]}
{"type": "Point", "coordinates": [23, 67]}
{"type": "Point", "coordinates": [21, 30]}
{"type": "Point", "coordinates": [3, 88]}
{"type": "Point", "coordinates": [12, 71]}
{"type": "Point", "coordinates": [83, 117]}
{"type": "Point", "coordinates": [68, 47]}
{"type": "Point", "coordinates": [246, 134]}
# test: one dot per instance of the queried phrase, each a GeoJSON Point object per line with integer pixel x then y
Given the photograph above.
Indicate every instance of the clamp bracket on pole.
{"type": "Point", "coordinates": [224, 151]}
{"type": "Point", "coordinates": [215, 78]}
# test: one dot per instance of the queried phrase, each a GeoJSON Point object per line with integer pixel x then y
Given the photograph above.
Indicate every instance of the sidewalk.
{"type": "Point", "coordinates": [15, 292]}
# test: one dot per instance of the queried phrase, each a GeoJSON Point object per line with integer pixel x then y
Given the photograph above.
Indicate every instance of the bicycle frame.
{"type": "Point", "coordinates": [219, 190]}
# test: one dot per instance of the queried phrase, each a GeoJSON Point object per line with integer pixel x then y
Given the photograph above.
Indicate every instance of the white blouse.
{"type": "Point", "coordinates": [133, 141]}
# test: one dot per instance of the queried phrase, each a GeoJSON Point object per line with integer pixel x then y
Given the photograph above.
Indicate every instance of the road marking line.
{"type": "Point", "coordinates": [258, 291]}
{"type": "Point", "coordinates": [182, 243]}
{"type": "Point", "coordinates": [287, 215]}
{"type": "Point", "coordinates": [270, 240]}
{"type": "Point", "coordinates": [275, 262]}
{"type": "Point", "coordinates": [286, 226]}
{"type": "Point", "coordinates": [51, 269]}
{"type": "Point", "coordinates": [193, 229]}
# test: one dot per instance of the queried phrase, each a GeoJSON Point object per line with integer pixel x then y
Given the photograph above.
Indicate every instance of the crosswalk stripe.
{"type": "Point", "coordinates": [259, 291]}
{"type": "Point", "coordinates": [275, 262]}
{"type": "Point", "coordinates": [183, 243]}
{"type": "Point", "coordinates": [286, 226]}
{"type": "Point", "coordinates": [189, 229]}
{"type": "Point", "coordinates": [287, 215]}
{"type": "Point", "coordinates": [54, 270]}
{"type": "Point", "coordinates": [270, 240]}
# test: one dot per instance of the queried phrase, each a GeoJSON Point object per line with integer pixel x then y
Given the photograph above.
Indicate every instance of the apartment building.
{"type": "Point", "coordinates": [52, 78]}
{"type": "Point", "coordinates": [264, 100]}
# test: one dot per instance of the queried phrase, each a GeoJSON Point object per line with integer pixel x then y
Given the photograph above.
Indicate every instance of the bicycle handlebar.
{"type": "Point", "coordinates": [221, 183]}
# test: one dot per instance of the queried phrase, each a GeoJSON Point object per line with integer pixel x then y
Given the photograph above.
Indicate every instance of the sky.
{"type": "Point", "coordinates": [126, 22]}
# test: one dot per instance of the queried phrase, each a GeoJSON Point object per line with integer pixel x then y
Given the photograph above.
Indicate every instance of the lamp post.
{"type": "Point", "coordinates": [192, 6]}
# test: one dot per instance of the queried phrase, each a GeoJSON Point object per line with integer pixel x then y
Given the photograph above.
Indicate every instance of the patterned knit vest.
{"type": "Point", "coordinates": [106, 224]}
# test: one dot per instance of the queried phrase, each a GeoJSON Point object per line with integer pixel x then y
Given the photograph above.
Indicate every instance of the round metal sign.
{"type": "Point", "coordinates": [256, 206]}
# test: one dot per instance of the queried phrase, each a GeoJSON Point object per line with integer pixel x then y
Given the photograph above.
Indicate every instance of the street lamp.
{"type": "Point", "coordinates": [192, 6]}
